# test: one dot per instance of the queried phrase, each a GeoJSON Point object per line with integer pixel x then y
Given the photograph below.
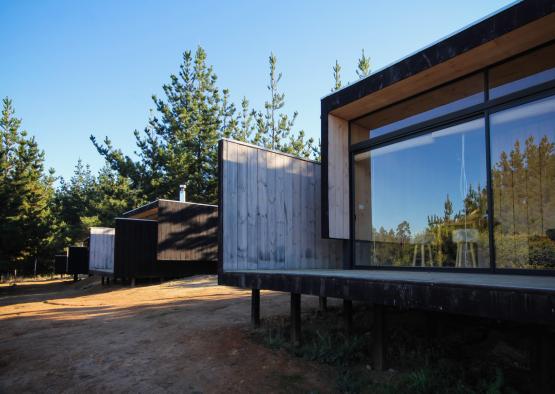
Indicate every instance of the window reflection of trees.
{"type": "Point", "coordinates": [523, 183]}
{"type": "Point", "coordinates": [398, 246]}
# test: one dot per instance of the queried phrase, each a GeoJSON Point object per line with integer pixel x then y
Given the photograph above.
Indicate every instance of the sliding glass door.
{"type": "Point", "coordinates": [422, 201]}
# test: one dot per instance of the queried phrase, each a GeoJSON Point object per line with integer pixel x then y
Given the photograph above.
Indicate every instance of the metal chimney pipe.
{"type": "Point", "coordinates": [182, 193]}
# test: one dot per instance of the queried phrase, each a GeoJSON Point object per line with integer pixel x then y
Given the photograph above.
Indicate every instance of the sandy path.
{"type": "Point", "coordinates": [180, 336]}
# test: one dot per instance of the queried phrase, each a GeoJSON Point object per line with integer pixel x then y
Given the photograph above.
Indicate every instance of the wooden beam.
{"type": "Point", "coordinates": [338, 177]}
{"type": "Point", "coordinates": [540, 359]}
{"type": "Point", "coordinates": [348, 316]}
{"type": "Point", "coordinates": [378, 338]}
{"type": "Point", "coordinates": [255, 308]}
{"type": "Point", "coordinates": [322, 304]}
{"type": "Point", "coordinates": [296, 319]}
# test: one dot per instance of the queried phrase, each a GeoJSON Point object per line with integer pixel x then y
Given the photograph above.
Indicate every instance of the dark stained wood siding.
{"type": "Point", "coordinates": [78, 260]}
{"type": "Point", "coordinates": [135, 248]}
{"type": "Point", "coordinates": [60, 264]}
{"type": "Point", "coordinates": [135, 252]}
{"type": "Point", "coordinates": [187, 231]}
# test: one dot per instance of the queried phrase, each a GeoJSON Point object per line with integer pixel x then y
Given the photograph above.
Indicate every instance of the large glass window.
{"type": "Point", "coordinates": [423, 201]}
{"type": "Point", "coordinates": [523, 182]}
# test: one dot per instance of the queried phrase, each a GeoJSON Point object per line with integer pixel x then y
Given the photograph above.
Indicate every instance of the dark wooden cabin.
{"type": "Point", "coordinates": [77, 260]}
{"type": "Point", "coordinates": [166, 239]}
{"type": "Point", "coordinates": [414, 204]}
{"type": "Point", "coordinates": [60, 264]}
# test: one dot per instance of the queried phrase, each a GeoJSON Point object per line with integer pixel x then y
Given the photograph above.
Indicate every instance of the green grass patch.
{"type": "Point", "coordinates": [462, 358]}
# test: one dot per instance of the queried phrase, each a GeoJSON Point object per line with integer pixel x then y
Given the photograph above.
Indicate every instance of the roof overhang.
{"type": "Point", "coordinates": [511, 31]}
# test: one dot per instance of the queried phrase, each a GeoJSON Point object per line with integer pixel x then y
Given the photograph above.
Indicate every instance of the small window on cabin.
{"type": "Point", "coordinates": [531, 69]}
{"type": "Point", "coordinates": [449, 98]}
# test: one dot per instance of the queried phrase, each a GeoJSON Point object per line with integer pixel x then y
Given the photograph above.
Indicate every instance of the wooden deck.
{"type": "Point", "coordinates": [515, 282]}
{"type": "Point", "coordinates": [522, 298]}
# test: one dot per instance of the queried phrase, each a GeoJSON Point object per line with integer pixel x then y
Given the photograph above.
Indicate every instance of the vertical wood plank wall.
{"type": "Point", "coordinates": [101, 249]}
{"type": "Point", "coordinates": [77, 260]}
{"type": "Point", "coordinates": [338, 177]}
{"type": "Point", "coordinates": [135, 248]}
{"type": "Point", "coordinates": [60, 264]}
{"type": "Point", "coordinates": [271, 212]}
{"type": "Point", "coordinates": [187, 231]}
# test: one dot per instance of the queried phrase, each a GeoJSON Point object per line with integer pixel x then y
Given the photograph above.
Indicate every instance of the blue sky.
{"type": "Point", "coordinates": [75, 68]}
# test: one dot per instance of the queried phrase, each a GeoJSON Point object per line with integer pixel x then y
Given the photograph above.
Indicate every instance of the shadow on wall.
{"type": "Point", "coordinates": [189, 232]}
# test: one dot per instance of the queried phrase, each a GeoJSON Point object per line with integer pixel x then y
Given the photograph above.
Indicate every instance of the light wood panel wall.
{"type": "Point", "coordinates": [271, 212]}
{"type": "Point", "coordinates": [338, 177]}
{"type": "Point", "coordinates": [359, 133]}
{"type": "Point", "coordinates": [101, 249]}
{"type": "Point", "coordinates": [363, 205]}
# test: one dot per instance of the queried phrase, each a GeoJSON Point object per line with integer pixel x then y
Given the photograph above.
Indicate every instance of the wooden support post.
{"type": "Point", "coordinates": [322, 304]}
{"type": "Point", "coordinates": [255, 308]}
{"type": "Point", "coordinates": [133, 282]}
{"type": "Point", "coordinates": [295, 319]}
{"type": "Point", "coordinates": [348, 316]}
{"type": "Point", "coordinates": [378, 337]}
{"type": "Point", "coordinates": [102, 280]}
{"type": "Point", "coordinates": [107, 280]}
{"type": "Point", "coordinates": [539, 361]}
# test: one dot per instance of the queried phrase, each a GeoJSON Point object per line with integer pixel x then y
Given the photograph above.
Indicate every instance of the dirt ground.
{"type": "Point", "coordinates": [187, 335]}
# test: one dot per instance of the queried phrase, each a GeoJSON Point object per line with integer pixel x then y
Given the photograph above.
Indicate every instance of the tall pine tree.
{"type": "Point", "coordinates": [336, 77]}
{"type": "Point", "coordinates": [179, 146]}
{"type": "Point", "coordinates": [26, 192]}
{"type": "Point", "coordinates": [363, 66]}
{"type": "Point", "coordinates": [274, 129]}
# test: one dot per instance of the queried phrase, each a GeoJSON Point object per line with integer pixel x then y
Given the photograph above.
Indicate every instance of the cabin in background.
{"type": "Point", "coordinates": [168, 239]}
{"type": "Point", "coordinates": [60, 264]}
{"type": "Point", "coordinates": [101, 251]}
{"type": "Point", "coordinates": [77, 261]}
{"type": "Point", "coordinates": [161, 239]}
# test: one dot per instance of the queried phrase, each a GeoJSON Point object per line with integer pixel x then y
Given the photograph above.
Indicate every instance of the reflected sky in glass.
{"type": "Point", "coordinates": [410, 180]}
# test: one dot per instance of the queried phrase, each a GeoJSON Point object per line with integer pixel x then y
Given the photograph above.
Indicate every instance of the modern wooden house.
{"type": "Point", "coordinates": [60, 264]}
{"type": "Point", "coordinates": [162, 239]}
{"type": "Point", "coordinates": [77, 261]}
{"type": "Point", "coordinates": [436, 189]}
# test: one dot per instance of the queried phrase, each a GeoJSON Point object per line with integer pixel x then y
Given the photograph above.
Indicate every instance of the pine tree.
{"type": "Point", "coordinates": [363, 68]}
{"type": "Point", "coordinates": [274, 130]}
{"type": "Point", "coordinates": [113, 196]}
{"type": "Point", "coordinates": [246, 126]}
{"type": "Point", "coordinates": [75, 203]}
{"type": "Point", "coordinates": [336, 76]}
{"type": "Point", "coordinates": [26, 192]}
{"type": "Point", "coordinates": [179, 146]}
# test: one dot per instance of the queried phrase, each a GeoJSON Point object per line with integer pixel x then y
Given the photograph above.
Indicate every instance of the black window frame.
{"type": "Point", "coordinates": [484, 109]}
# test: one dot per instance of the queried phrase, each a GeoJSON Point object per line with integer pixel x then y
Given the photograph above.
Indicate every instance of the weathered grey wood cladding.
{"type": "Point", "coordinates": [101, 249]}
{"type": "Point", "coordinates": [271, 211]}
